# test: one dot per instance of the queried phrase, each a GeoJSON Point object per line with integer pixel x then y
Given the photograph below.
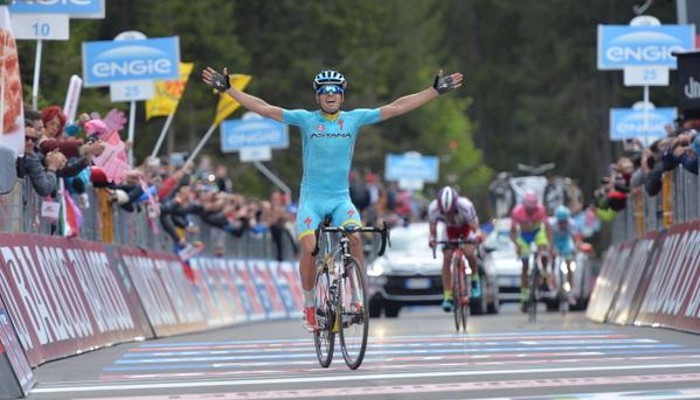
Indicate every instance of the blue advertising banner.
{"type": "Point", "coordinates": [621, 46]}
{"type": "Point", "coordinates": [239, 133]}
{"type": "Point", "coordinates": [112, 61]}
{"type": "Point", "coordinates": [628, 123]}
{"type": "Point", "coordinates": [74, 8]}
{"type": "Point", "coordinates": [411, 166]}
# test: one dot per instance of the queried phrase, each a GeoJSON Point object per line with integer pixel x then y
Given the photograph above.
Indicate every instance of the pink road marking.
{"type": "Point", "coordinates": [427, 388]}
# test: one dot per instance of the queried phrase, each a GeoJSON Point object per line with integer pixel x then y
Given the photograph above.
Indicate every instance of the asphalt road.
{"type": "Point", "coordinates": [416, 356]}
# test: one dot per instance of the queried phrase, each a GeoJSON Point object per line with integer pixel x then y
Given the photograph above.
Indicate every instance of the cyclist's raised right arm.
{"type": "Point", "coordinates": [247, 101]}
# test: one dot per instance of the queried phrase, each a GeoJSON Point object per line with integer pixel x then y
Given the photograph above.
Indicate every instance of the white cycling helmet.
{"type": "Point", "coordinates": [329, 77]}
{"type": "Point", "coordinates": [447, 199]}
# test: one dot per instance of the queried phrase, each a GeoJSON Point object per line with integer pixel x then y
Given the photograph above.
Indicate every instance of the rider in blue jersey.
{"type": "Point", "coordinates": [565, 238]}
{"type": "Point", "coordinates": [328, 140]}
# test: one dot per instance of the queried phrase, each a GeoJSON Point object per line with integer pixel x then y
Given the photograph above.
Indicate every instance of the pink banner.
{"type": "Point", "coordinates": [166, 293]}
{"type": "Point", "coordinates": [63, 296]}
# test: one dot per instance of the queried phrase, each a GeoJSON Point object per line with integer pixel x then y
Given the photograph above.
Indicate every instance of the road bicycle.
{"type": "Point", "coordinates": [461, 286]}
{"type": "Point", "coordinates": [536, 286]}
{"type": "Point", "coordinates": [341, 294]}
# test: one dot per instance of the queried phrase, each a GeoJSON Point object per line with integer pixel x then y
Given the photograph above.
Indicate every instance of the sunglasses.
{"type": "Point", "coordinates": [31, 138]}
{"type": "Point", "coordinates": [330, 89]}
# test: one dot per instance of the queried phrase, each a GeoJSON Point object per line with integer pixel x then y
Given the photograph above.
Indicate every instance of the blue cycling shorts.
{"type": "Point", "coordinates": [315, 206]}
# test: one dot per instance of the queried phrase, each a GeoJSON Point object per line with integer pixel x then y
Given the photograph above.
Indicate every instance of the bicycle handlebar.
{"type": "Point", "coordinates": [325, 227]}
{"type": "Point", "coordinates": [456, 242]}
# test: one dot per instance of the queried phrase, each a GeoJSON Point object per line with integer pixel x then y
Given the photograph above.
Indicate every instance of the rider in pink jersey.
{"type": "Point", "coordinates": [529, 223]}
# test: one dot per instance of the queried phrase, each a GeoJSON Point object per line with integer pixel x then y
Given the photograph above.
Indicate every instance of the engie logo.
{"type": "Point", "coordinates": [626, 123]}
{"type": "Point", "coordinates": [73, 7]}
{"type": "Point", "coordinates": [106, 62]}
{"type": "Point", "coordinates": [629, 46]}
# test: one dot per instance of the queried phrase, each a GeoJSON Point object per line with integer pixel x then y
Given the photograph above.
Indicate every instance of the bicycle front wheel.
{"type": "Point", "coordinates": [460, 296]}
{"type": "Point", "coordinates": [354, 313]}
{"type": "Point", "coordinates": [534, 289]}
{"type": "Point", "coordinates": [324, 337]}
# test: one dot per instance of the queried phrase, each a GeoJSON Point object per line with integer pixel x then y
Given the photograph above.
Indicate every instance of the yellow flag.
{"type": "Point", "coordinates": [227, 105]}
{"type": "Point", "coordinates": [168, 94]}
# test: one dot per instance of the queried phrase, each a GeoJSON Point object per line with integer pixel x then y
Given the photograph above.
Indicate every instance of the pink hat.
{"type": "Point", "coordinates": [96, 126]}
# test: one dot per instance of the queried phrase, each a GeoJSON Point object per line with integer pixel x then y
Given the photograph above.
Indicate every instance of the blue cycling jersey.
{"type": "Point", "coordinates": [327, 145]}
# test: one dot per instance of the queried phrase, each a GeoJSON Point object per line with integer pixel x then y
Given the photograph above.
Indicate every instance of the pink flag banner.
{"type": "Point", "coordinates": [113, 159]}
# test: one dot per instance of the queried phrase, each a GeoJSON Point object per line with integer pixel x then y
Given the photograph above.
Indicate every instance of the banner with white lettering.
{"type": "Point", "coordinates": [634, 282]}
{"type": "Point", "coordinates": [62, 296]}
{"type": "Point", "coordinates": [252, 303]}
{"type": "Point", "coordinates": [607, 285]}
{"type": "Point", "coordinates": [286, 277]}
{"type": "Point", "coordinates": [673, 297]}
{"type": "Point", "coordinates": [16, 376]}
{"type": "Point", "coordinates": [218, 294]}
{"type": "Point", "coordinates": [165, 291]}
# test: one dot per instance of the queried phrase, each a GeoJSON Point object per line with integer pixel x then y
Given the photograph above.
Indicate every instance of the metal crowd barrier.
{"type": "Point", "coordinates": [20, 211]}
{"type": "Point", "coordinates": [678, 202]}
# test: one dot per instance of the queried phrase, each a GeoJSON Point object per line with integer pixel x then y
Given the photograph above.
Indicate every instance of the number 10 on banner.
{"type": "Point", "coordinates": [40, 26]}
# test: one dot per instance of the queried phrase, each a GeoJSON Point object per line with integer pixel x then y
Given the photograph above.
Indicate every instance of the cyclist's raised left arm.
{"type": "Point", "coordinates": [404, 104]}
{"type": "Point", "coordinates": [220, 82]}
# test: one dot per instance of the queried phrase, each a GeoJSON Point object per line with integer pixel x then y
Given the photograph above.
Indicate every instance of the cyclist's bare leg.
{"type": "Point", "coordinates": [523, 275]}
{"type": "Point", "coordinates": [546, 267]}
{"type": "Point", "coordinates": [446, 270]}
{"type": "Point", "coordinates": [569, 273]}
{"type": "Point", "coordinates": [307, 271]}
{"type": "Point", "coordinates": [357, 251]}
{"type": "Point", "coordinates": [470, 253]}
{"type": "Point", "coordinates": [307, 262]}
{"type": "Point", "coordinates": [356, 248]}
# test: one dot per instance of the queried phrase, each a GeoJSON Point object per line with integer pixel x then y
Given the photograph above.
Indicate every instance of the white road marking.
{"type": "Point", "coordinates": [353, 377]}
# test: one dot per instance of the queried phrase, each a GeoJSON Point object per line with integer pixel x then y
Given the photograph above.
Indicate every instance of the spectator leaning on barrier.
{"type": "Point", "coordinates": [42, 177]}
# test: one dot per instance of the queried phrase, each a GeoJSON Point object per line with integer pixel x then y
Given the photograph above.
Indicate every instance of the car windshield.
{"type": "Point", "coordinates": [412, 239]}
{"type": "Point", "coordinates": [501, 244]}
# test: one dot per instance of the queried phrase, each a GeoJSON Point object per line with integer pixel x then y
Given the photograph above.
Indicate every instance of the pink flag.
{"type": "Point", "coordinates": [113, 159]}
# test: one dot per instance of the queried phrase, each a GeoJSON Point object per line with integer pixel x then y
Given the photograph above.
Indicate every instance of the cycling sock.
{"type": "Point", "coordinates": [524, 294]}
{"type": "Point", "coordinates": [447, 294]}
{"type": "Point", "coordinates": [308, 298]}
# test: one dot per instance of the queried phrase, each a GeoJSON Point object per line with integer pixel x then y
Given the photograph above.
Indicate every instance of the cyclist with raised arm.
{"type": "Point", "coordinates": [460, 219]}
{"type": "Point", "coordinates": [565, 238]}
{"type": "Point", "coordinates": [328, 140]}
{"type": "Point", "coordinates": [529, 223]}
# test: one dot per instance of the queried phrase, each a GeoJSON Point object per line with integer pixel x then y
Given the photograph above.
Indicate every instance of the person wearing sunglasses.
{"type": "Point", "coordinates": [328, 140]}
{"type": "Point", "coordinates": [40, 169]}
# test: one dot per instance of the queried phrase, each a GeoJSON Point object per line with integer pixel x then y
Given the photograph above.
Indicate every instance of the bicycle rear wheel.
{"type": "Point", "coordinates": [460, 295]}
{"type": "Point", "coordinates": [534, 288]}
{"type": "Point", "coordinates": [324, 337]}
{"type": "Point", "coordinates": [354, 311]}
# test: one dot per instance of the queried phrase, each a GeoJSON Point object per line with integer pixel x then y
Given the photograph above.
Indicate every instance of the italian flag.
{"type": "Point", "coordinates": [70, 218]}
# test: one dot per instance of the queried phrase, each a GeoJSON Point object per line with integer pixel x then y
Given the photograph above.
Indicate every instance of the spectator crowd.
{"type": "Point", "coordinates": [641, 168]}
{"type": "Point", "coordinates": [65, 160]}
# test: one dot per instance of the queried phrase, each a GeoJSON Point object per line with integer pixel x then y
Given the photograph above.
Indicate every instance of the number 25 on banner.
{"type": "Point", "coordinates": [646, 76]}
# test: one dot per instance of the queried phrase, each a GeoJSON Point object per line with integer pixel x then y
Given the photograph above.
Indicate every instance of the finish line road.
{"type": "Point", "coordinates": [417, 356]}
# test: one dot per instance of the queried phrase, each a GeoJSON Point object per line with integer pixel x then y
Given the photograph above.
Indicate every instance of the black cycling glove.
{"type": "Point", "coordinates": [220, 82]}
{"type": "Point", "coordinates": [443, 84]}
